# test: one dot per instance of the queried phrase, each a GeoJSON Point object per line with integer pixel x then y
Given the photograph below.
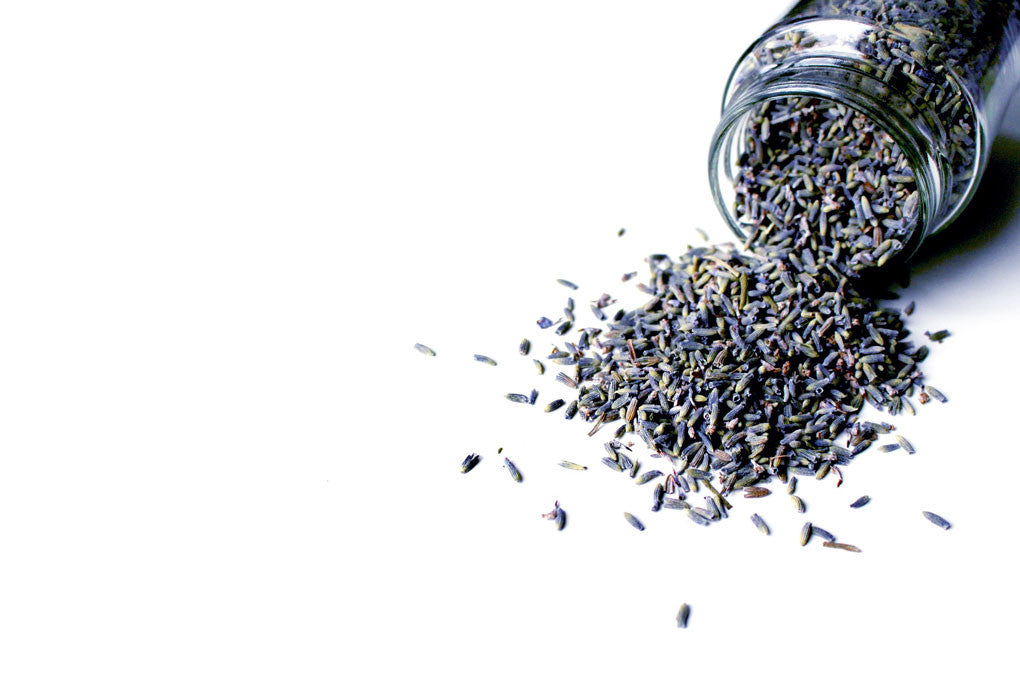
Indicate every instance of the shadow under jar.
{"type": "Point", "coordinates": [857, 128]}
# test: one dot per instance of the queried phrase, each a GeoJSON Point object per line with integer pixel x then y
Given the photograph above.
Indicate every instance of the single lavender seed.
{"type": "Point", "coordinates": [544, 322]}
{"type": "Point", "coordinates": [525, 347]}
{"type": "Point", "coordinates": [861, 502]}
{"type": "Point", "coordinates": [760, 523]}
{"type": "Point", "coordinates": [889, 447]}
{"type": "Point", "coordinates": [561, 518]}
{"type": "Point", "coordinates": [569, 284]}
{"type": "Point", "coordinates": [517, 398]}
{"type": "Point", "coordinates": [805, 533]}
{"type": "Point", "coordinates": [648, 476]}
{"type": "Point", "coordinates": [485, 360]}
{"type": "Point", "coordinates": [514, 472]}
{"type": "Point", "coordinates": [841, 546]}
{"type": "Point", "coordinates": [566, 380]}
{"type": "Point", "coordinates": [936, 520]}
{"type": "Point", "coordinates": [683, 615]}
{"type": "Point", "coordinates": [539, 366]}
{"type": "Point", "coordinates": [469, 463]}
{"type": "Point", "coordinates": [936, 394]}
{"type": "Point", "coordinates": [822, 534]}
{"type": "Point", "coordinates": [554, 405]}
{"type": "Point", "coordinates": [658, 496]}
{"type": "Point", "coordinates": [425, 349]}
{"type": "Point", "coordinates": [533, 397]}
{"type": "Point", "coordinates": [798, 504]}
{"type": "Point", "coordinates": [937, 336]}
{"type": "Point", "coordinates": [907, 446]}
{"type": "Point", "coordinates": [634, 521]}
{"type": "Point", "coordinates": [572, 466]}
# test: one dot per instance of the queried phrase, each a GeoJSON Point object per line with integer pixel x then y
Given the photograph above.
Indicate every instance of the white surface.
{"type": "Point", "coordinates": [226, 224]}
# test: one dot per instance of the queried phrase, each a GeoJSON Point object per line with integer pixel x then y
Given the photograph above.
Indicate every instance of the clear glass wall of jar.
{"type": "Point", "coordinates": [937, 76]}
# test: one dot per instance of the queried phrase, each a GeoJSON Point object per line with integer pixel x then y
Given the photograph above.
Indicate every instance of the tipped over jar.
{"type": "Point", "coordinates": [863, 125]}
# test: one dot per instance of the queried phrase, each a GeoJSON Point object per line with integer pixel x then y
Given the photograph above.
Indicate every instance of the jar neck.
{"type": "Point", "coordinates": [912, 131]}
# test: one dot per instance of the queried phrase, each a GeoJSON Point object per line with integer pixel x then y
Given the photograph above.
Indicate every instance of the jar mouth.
{"type": "Point", "coordinates": [779, 84]}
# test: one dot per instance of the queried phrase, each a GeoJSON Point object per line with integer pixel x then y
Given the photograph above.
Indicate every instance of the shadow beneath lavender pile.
{"type": "Point", "coordinates": [991, 219]}
{"type": "Point", "coordinates": [990, 225]}
{"type": "Point", "coordinates": [985, 236]}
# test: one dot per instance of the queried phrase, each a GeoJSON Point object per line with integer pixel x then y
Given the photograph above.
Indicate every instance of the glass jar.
{"type": "Point", "coordinates": [937, 76]}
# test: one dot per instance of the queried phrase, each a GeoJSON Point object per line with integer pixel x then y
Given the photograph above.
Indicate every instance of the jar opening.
{"type": "Point", "coordinates": [729, 147]}
{"type": "Point", "coordinates": [918, 87]}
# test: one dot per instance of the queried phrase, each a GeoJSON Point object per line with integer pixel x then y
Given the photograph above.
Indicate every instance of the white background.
{"type": "Point", "coordinates": [224, 227]}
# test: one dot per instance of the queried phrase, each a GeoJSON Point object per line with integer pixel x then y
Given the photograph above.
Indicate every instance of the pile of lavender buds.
{"type": "Point", "coordinates": [745, 365]}
{"type": "Point", "coordinates": [737, 369]}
